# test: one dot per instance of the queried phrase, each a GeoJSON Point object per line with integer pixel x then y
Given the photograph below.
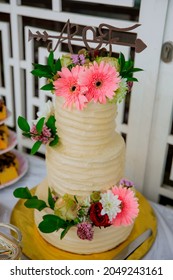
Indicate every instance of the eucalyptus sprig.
{"type": "Point", "coordinates": [32, 201]}
{"type": "Point", "coordinates": [50, 222]}
{"type": "Point", "coordinates": [127, 69]}
{"type": "Point", "coordinates": [48, 71]}
{"type": "Point", "coordinates": [39, 134]}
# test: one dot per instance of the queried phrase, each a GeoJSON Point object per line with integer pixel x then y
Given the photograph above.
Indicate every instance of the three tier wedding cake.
{"type": "Point", "coordinates": [84, 205]}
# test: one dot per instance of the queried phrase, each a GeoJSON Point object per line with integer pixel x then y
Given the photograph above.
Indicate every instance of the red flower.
{"type": "Point", "coordinates": [96, 217]}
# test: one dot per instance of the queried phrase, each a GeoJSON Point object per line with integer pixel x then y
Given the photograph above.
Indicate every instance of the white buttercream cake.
{"type": "Point", "coordinates": [85, 205]}
{"type": "Point", "coordinates": [89, 157]}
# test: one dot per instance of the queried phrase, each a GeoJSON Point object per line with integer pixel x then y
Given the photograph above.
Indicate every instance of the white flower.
{"type": "Point", "coordinates": [110, 204]}
{"type": "Point", "coordinates": [47, 110]}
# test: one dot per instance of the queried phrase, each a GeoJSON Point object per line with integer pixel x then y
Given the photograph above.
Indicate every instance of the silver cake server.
{"type": "Point", "coordinates": [130, 248]}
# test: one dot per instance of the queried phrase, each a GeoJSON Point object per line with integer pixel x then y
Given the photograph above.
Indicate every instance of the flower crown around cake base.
{"type": "Point", "coordinates": [115, 207]}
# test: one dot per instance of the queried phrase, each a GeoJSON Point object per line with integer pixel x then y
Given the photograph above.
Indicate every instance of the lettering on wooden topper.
{"type": "Point", "coordinates": [104, 38]}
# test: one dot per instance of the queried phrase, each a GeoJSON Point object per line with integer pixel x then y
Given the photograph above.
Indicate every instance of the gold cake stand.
{"type": "Point", "coordinates": [36, 248]}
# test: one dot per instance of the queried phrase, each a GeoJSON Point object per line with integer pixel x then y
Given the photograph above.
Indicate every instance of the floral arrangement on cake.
{"type": "Point", "coordinates": [79, 78]}
{"type": "Point", "coordinates": [115, 207]}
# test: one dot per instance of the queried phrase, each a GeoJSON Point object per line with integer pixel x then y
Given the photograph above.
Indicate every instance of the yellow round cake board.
{"type": "Point", "coordinates": [36, 248]}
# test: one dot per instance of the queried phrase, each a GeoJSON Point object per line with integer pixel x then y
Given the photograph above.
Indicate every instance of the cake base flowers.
{"type": "Point", "coordinates": [115, 207]}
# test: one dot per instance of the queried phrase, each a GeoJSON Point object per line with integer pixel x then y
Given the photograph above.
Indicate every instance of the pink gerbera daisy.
{"type": "Point", "coordinates": [129, 206]}
{"type": "Point", "coordinates": [68, 87]}
{"type": "Point", "coordinates": [102, 80]}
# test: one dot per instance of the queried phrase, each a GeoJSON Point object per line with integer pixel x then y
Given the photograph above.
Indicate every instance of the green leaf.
{"type": "Point", "coordinates": [127, 68]}
{"type": "Point", "coordinates": [22, 193]}
{"type": "Point", "coordinates": [26, 134]}
{"type": "Point", "coordinates": [128, 65]}
{"type": "Point", "coordinates": [35, 147]}
{"type": "Point", "coordinates": [64, 232]}
{"type": "Point", "coordinates": [51, 223]}
{"type": "Point", "coordinates": [23, 124]}
{"type": "Point", "coordinates": [121, 61]}
{"type": "Point", "coordinates": [35, 196]}
{"type": "Point", "coordinates": [51, 217]}
{"type": "Point", "coordinates": [35, 203]}
{"type": "Point", "coordinates": [47, 227]}
{"type": "Point", "coordinates": [40, 73]}
{"type": "Point", "coordinates": [40, 124]}
{"type": "Point", "coordinates": [51, 124]}
{"type": "Point", "coordinates": [60, 222]}
{"type": "Point", "coordinates": [47, 87]}
{"type": "Point", "coordinates": [58, 66]}
{"type": "Point", "coordinates": [50, 199]}
{"type": "Point", "coordinates": [42, 67]}
{"type": "Point", "coordinates": [54, 141]}
{"type": "Point", "coordinates": [50, 59]}
{"type": "Point", "coordinates": [136, 70]}
{"type": "Point", "coordinates": [132, 79]}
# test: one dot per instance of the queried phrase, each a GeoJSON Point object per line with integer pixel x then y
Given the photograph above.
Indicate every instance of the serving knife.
{"type": "Point", "coordinates": [132, 246]}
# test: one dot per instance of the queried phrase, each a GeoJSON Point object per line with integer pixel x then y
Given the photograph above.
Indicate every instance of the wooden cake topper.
{"type": "Point", "coordinates": [69, 36]}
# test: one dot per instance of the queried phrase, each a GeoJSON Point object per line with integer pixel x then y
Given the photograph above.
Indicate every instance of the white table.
{"type": "Point", "coordinates": [162, 248]}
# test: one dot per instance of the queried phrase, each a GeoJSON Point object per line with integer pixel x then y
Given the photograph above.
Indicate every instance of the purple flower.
{"type": "Point", "coordinates": [82, 59]}
{"type": "Point", "coordinates": [85, 231]}
{"type": "Point", "coordinates": [44, 136]}
{"type": "Point", "coordinates": [78, 59]}
{"type": "Point", "coordinates": [126, 183]}
{"type": "Point", "coordinates": [75, 58]}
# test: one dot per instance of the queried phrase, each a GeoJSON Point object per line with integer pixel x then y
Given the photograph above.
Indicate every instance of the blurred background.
{"type": "Point", "coordinates": [145, 116]}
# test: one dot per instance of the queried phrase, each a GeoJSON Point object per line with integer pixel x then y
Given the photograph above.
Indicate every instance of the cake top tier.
{"type": "Point", "coordinates": [94, 76]}
{"type": "Point", "coordinates": [80, 80]}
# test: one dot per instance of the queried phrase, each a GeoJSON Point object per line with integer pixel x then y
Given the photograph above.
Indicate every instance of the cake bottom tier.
{"type": "Point", "coordinates": [104, 238]}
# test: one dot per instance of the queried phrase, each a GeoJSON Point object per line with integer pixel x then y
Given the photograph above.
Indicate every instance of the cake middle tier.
{"type": "Point", "coordinates": [81, 174]}
{"type": "Point", "coordinates": [88, 130]}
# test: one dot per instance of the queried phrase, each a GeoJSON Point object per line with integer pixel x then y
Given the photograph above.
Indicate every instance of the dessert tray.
{"type": "Point", "coordinates": [36, 248]}
{"type": "Point", "coordinates": [8, 115]}
{"type": "Point", "coordinates": [12, 142]}
{"type": "Point", "coordinates": [23, 167]}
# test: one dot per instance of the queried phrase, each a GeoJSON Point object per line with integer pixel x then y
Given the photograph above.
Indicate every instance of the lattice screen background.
{"type": "Point", "coordinates": [21, 90]}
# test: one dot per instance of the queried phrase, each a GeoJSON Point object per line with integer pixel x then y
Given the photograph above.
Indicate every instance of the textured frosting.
{"type": "Point", "coordinates": [89, 157]}
{"type": "Point", "coordinates": [104, 238]}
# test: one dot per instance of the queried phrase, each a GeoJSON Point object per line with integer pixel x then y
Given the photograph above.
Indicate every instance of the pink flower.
{"type": "Point", "coordinates": [129, 206]}
{"type": "Point", "coordinates": [102, 80]}
{"type": "Point", "coordinates": [85, 231]}
{"type": "Point", "coordinates": [44, 137]}
{"type": "Point", "coordinates": [68, 87]}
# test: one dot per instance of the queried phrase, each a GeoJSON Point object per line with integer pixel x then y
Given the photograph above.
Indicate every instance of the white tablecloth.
{"type": "Point", "coordinates": [162, 248]}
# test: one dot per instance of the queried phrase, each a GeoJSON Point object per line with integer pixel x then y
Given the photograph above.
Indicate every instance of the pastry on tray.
{"type": "Point", "coordinates": [4, 134]}
{"type": "Point", "coordinates": [3, 110]}
{"type": "Point", "coordinates": [8, 167]}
